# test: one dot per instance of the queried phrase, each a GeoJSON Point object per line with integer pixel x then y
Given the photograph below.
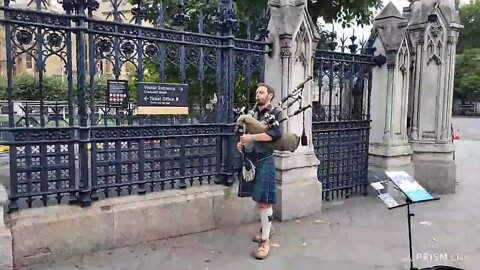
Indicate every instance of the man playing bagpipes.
{"type": "Point", "coordinates": [261, 136]}
{"type": "Point", "coordinates": [264, 189]}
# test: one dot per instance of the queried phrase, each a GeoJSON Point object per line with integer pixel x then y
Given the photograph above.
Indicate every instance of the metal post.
{"type": "Point", "coordinates": [85, 199]}
{"type": "Point", "coordinates": [409, 215]}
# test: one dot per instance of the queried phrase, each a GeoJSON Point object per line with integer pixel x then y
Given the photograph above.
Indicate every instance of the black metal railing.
{"type": "Point", "coordinates": [68, 145]}
{"type": "Point", "coordinates": [341, 113]}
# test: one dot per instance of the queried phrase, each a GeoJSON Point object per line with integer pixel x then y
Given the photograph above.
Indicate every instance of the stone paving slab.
{"type": "Point", "coordinates": [358, 233]}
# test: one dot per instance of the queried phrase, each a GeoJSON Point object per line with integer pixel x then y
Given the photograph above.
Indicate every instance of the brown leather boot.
{"type": "Point", "coordinates": [258, 236]}
{"type": "Point", "coordinates": [263, 250]}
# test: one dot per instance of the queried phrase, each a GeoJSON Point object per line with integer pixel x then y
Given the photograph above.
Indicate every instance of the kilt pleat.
{"type": "Point", "coordinates": [264, 190]}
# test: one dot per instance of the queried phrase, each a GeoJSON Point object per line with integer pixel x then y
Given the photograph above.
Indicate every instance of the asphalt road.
{"type": "Point", "coordinates": [467, 127]}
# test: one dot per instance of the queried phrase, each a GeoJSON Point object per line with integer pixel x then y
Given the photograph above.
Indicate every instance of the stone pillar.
{"type": "Point", "coordinates": [6, 252]}
{"type": "Point", "coordinates": [389, 148]}
{"type": "Point", "coordinates": [294, 40]}
{"type": "Point", "coordinates": [433, 30]}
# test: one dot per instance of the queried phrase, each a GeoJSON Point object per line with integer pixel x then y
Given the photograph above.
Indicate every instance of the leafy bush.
{"type": "Point", "coordinates": [27, 87]}
{"type": "Point", "coordinates": [467, 78]}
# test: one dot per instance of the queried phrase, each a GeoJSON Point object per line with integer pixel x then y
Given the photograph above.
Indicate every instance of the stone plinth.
{"type": "Point", "coordinates": [392, 157]}
{"type": "Point", "coordinates": [434, 167]}
{"type": "Point", "coordinates": [298, 189]}
{"type": "Point", "coordinates": [6, 255]}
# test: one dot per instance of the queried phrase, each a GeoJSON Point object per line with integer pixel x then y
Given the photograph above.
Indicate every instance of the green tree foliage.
{"type": "Point", "coordinates": [467, 74]}
{"type": "Point", "coordinates": [27, 87]}
{"type": "Point", "coordinates": [346, 12]}
{"type": "Point", "coordinates": [470, 18]}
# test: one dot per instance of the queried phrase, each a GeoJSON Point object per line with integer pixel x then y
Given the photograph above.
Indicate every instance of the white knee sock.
{"type": "Point", "coordinates": [266, 216]}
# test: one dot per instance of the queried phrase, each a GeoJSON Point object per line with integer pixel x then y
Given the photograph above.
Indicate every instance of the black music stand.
{"type": "Point", "coordinates": [414, 194]}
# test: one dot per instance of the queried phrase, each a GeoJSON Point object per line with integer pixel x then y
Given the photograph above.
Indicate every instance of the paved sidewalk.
{"type": "Point", "coordinates": [359, 233]}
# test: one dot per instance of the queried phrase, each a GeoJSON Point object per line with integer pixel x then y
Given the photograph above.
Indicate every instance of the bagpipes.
{"type": "Point", "coordinates": [289, 141]}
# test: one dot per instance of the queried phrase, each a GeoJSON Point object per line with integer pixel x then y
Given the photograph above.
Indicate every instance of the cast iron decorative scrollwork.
{"type": "Point", "coordinates": [369, 48]}
{"type": "Point", "coordinates": [24, 17]}
{"type": "Point", "coordinates": [24, 37]}
{"type": "Point", "coordinates": [380, 60]}
{"type": "Point", "coordinates": [211, 58]}
{"type": "Point", "coordinates": [54, 40]}
{"type": "Point", "coordinates": [55, 21]}
{"type": "Point", "coordinates": [226, 20]}
{"type": "Point", "coordinates": [92, 5]}
{"type": "Point", "coordinates": [192, 39]}
{"type": "Point", "coordinates": [353, 47]}
{"type": "Point", "coordinates": [332, 43]}
{"type": "Point", "coordinates": [180, 16]}
{"type": "Point", "coordinates": [68, 5]}
{"type": "Point", "coordinates": [172, 54]}
{"type": "Point", "coordinates": [128, 47]}
{"type": "Point", "coordinates": [173, 36]}
{"type": "Point", "coordinates": [192, 56]}
{"type": "Point", "coordinates": [140, 11]}
{"type": "Point", "coordinates": [103, 46]}
{"type": "Point", "coordinates": [262, 33]}
{"type": "Point", "coordinates": [150, 50]}
{"type": "Point", "coordinates": [71, 6]}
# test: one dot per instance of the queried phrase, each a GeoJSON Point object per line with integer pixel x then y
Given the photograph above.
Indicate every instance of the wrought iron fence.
{"type": "Point", "coordinates": [99, 150]}
{"type": "Point", "coordinates": [341, 114]}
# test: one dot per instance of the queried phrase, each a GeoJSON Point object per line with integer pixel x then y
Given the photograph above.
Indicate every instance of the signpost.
{"type": "Point", "coordinates": [117, 93]}
{"type": "Point", "coordinates": [162, 98]}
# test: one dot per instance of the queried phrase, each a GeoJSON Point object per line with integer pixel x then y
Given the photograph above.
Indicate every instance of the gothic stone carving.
{"type": "Point", "coordinates": [281, 3]}
{"type": "Point", "coordinates": [301, 41]}
{"type": "Point", "coordinates": [285, 49]}
{"type": "Point", "coordinates": [403, 58]}
{"type": "Point", "coordinates": [435, 43]}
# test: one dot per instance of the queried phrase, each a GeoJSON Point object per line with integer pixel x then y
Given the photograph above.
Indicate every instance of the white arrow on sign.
{"type": "Point", "coordinates": [145, 98]}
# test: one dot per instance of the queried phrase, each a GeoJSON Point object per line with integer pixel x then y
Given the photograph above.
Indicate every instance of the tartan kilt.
{"type": "Point", "coordinates": [264, 188]}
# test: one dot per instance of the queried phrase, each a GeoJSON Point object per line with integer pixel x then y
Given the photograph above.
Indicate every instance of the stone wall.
{"type": "Point", "coordinates": [65, 230]}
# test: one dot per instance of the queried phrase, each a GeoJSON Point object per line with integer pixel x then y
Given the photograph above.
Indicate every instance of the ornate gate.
{"type": "Point", "coordinates": [341, 114]}
{"type": "Point", "coordinates": [76, 146]}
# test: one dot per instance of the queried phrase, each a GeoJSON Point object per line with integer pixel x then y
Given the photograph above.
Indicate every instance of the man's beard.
{"type": "Point", "coordinates": [260, 103]}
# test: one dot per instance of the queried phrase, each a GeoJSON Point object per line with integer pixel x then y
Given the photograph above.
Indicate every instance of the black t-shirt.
{"type": "Point", "coordinates": [257, 150]}
{"type": "Point", "coordinates": [273, 131]}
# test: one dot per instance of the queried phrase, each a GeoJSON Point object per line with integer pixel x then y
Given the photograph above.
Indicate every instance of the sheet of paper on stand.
{"type": "Point", "coordinates": [409, 186]}
{"type": "Point", "coordinates": [377, 186]}
{"type": "Point", "coordinates": [388, 200]}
